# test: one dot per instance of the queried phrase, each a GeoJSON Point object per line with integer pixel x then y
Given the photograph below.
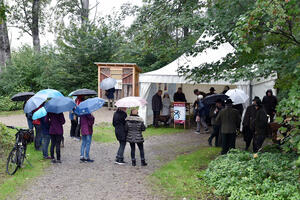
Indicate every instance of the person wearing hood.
{"type": "Point", "coordinates": [269, 103]}
{"type": "Point", "coordinates": [134, 127]}
{"type": "Point", "coordinates": [230, 120]}
{"type": "Point", "coordinates": [86, 125]}
{"type": "Point", "coordinates": [248, 122]}
{"type": "Point", "coordinates": [119, 124]}
{"type": "Point", "coordinates": [260, 125]}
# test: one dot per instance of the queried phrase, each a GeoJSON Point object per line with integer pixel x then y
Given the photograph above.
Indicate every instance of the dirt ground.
{"type": "Point", "coordinates": [103, 179]}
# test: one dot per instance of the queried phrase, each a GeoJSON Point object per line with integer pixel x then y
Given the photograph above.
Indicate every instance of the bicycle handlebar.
{"type": "Point", "coordinates": [12, 127]}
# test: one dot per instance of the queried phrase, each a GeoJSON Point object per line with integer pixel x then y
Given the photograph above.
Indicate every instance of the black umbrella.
{"type": "Point", "coordinates": [211, 99]}
{"type": "Point", "coordinates": [83, 92]}
{"type": "Point", "coordinates": [22, 96]}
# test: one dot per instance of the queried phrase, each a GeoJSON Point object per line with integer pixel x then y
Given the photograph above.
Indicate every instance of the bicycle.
{"type": "Point", "coordinates": [17, 155]}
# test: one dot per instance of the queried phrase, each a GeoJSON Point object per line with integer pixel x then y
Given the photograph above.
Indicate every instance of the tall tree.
{"type": "Point", "coordinates": [4, 40]}
{"type": "Point", "coordinates": [29, 16]}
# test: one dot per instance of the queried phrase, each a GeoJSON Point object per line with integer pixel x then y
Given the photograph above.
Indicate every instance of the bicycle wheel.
{"type": "Point", "coordinates": [12, 162]}
{"type": "Point", "coordinates": [21, 156]}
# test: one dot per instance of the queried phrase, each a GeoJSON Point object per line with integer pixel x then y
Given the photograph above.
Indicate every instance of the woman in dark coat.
{"type": "Point", "coordinates": [134, 127]}
{"type": "Point", "coordinates": [119, 124]}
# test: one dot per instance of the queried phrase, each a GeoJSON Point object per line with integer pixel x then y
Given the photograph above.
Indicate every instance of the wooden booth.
{"type": "Point", "coordinates": [126, 74]}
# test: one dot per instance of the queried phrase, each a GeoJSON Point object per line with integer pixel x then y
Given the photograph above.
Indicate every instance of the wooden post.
{"type": "Point", "coordinates": [133, 82]}
{"type": "Point", "coordinates": [99, 90]}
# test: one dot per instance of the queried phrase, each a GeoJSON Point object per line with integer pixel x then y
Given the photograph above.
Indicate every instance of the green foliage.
{"type": "Point", "coordinates": [179, 178]}
{"type": "Point", "coordinates": [239, 175]}
{"type": "Point", "coordinates": [8, 105]}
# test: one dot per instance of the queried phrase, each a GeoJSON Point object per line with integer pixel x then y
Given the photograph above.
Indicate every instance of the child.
{"type": "Point", "coordinates": [56, 132]}
{"type": "Point", "coordinates": [45, 136]}
{"type": "Point", "coordinates": [134, 127]}
{"type": "Point", "coordinates": [86, 124]}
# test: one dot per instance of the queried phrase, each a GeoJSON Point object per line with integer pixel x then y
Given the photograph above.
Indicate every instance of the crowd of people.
{"type": "Point", "coordinates": [224, 117]}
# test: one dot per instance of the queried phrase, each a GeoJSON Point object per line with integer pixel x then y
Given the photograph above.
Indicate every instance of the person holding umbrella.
{"type": "Point", "coordinates": [119, 124]}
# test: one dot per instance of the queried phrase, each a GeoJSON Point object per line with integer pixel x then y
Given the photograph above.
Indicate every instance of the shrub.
{"type": "Point", "coordinates": [8, 105]}
{"type": "Point", "coordinates": [240, 175]}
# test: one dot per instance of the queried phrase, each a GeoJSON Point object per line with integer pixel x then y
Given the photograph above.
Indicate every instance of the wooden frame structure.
{"type": "Point", "coordinates": [127, 72]}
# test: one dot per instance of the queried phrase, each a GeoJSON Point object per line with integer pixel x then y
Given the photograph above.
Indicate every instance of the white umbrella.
{"type": "Point", "coordinates": [108, 83]}
{"type": "Point", "coordinates": [237, 96]}
{"type": "Point", "coordinates": [130, 102]}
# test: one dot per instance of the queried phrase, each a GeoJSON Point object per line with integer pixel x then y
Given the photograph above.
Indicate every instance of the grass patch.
{"type": "Point", "coordinates": [182, 177]}
{"type": "Point", "coordinates": [105, 132]}
{"type": "Point", "coordinates": [8, 113]}
{"type": "Point", "coordinates": [9, 185]}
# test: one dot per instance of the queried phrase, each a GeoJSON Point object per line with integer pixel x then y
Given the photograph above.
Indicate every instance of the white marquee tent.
{"type": "Point", "coordinates": [168, 80]}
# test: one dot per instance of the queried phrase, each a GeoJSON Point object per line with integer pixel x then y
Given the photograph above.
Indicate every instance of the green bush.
{"type": "Point", "coordinates": [241, 175]}
{"type": "Point", "coordinates": [8, 105]}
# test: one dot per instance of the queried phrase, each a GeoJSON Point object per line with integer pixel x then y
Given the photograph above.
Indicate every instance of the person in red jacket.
{"type": "Point", "coordinates": [86, 124]}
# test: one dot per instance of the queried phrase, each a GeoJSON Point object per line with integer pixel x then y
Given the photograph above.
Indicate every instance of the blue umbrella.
{"type": "Point", "coordinates": [39, 113]}
{"type": "Point", "coordinates": [88, 106]}
{"type": "Point", "coordinates": [50, 93]}
{"type": "Point", "coordinates": [34, 102]}
{"type": "Point", "coordinates": [59, 105]}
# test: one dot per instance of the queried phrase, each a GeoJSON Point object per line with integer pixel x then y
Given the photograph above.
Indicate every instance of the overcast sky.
{"type": "Point", "coordinates": [105, 7]}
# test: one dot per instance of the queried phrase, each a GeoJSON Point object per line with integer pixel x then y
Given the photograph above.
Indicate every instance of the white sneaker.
{"type": "Point", "coordinates": [197, 132]}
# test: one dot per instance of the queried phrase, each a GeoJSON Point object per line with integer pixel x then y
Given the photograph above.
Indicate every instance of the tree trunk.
{"type": "Point", "coordinates": [84, 12]}
{"type": "Point", "coordinates": [35, 25]}
{"type": "Point", "coordinates": [4, 43]}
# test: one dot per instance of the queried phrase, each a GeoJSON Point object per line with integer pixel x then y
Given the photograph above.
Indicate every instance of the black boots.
{"type": "Point", "coordinates": [133, 162]}
{"type": "Point", "coordinates": [143, 163]}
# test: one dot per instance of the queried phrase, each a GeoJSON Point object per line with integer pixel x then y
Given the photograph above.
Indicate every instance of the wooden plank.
{"type": "Point", "coordinates": [133, 84]}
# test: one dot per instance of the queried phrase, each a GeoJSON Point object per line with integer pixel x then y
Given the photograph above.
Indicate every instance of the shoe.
{"type": "Point", "coordinates": [143, 163]}
{"type": "Point", "coordinates": [119, 162]}
{"type": "Point", "coordinates": [197, 132]}
{"type": "Point", "coordinates": [133, 162]}
{"type": "Point", "coordinates": [209, 142]}
{"type": "Point", "coordinates": [89, 160]}
{"type": "Point", "coordinates": [53, 161]}
{"type": "Point", "coordinates": [82, 160]}
{"type": "Point", "coordinates": [58, 161]}
{"type": "Point", "coordinates": [47, 158]}
{"type": "Point", "coordinates": [206, 130]}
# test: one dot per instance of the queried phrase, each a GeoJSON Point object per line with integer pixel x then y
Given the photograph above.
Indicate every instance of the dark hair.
{"type": "Point", "coordinates": [159, 91]}
{"type": "Point", "coordinates": [196, 91]}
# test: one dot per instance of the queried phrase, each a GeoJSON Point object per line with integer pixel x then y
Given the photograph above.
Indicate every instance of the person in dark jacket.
{"type": "Point", "coordinates": [248, 122]}
{"type": "Point", "coordinates": [230, 120]}
{"type": "Point", "coordinates": [86, 124]}
{"type": "Point", "coordinates": [56, 132]}
{"type": "Point", "coordinates": [119, 124]}
{"type": "Point", "coordinates": [269, 103]}
{"type": "Point", "coordinates": [211, 91]}
{"type": "Point", "coordinates": [200, 116]}
{"type": "Point", "coordinates": [78, 100]}
{"type": "Point", "coordinates": [179, 96]}
{"type": "Point", "coordinates": [156, 107]}
{"type": "Point", "coordinates": [74, 122]}
{"type": "Point", "coordinates": [110, 96]}
{"type": "Point", "coordinates": [134, 127]}
{"type": "Point", "coordinates": [45, 136]}
{"type": "Point", "coordinates": [226, 88]}
{"type": "Point", "coordinates": [261, 126]}
{"type": "Point", "coordinates": [214, 111]}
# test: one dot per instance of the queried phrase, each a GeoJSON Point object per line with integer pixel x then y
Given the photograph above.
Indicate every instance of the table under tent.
{"type": "Point", "coordinates": [168, 80]}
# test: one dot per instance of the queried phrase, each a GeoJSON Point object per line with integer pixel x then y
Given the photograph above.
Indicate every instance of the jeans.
{"type": "Point", "coordinates": [85, 146]}
{"type": "Point", "coordinates": [258, 141]}
{"type": "Point", "coordinates": [201, 122]}
{"type": "Point", "coordinates": [228, 142]}
{"type": "Point", "coordinates": [45, 144]}
{"type": "Point", "coordinates": [73, 128]}
{"type": "Point", "coordinates": [29, 122]}
{"type": "Point", "coordinates": [141, 148]}
{"type": "Point", "coordinates": [55, 143]}
{"type": "Point", "coordinates": [155, 118]}
{"type": "Point", "coordinates": [38, 137]}
{"type": "Point", "coordinates": [120, 153]}
{"type": "Point", "coordinates": [215, 133]}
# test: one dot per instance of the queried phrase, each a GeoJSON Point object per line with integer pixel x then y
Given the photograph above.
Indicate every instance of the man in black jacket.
{"type": "Point", "coordinates": [270, 102]}
{"type": "Point", "coordinates": [156, 107]}
{"type": "Point", "coordinates": [179, 96]}
{"type": "Point", "coordinates": [119, 124]}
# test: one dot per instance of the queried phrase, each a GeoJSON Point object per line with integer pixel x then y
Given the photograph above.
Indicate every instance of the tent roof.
{"type": "Point", "coordinates": [169, 73]}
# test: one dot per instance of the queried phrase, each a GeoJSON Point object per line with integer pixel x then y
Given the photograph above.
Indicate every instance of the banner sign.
{"type": "Point", "coordinates": [179, 112]}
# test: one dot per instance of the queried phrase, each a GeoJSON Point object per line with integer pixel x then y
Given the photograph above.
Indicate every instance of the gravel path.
{"type": "Point", "coordinates": [103, 179]}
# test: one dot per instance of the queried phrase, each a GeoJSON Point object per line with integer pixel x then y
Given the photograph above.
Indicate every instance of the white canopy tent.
{"type": "Point", "coordinates": [168, 80]}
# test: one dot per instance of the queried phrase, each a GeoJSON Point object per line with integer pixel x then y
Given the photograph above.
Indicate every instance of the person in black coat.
{"type": "Point", "coordinates": [179, 96]}
{"type": "Point", "coordinates": [156, 107]}
{"type": "Point", "coordinates": [248, 122]}
{"type": "Point", "coordinates": [269, 103]}
{"type": "Point", "coordinates": [119, 124]}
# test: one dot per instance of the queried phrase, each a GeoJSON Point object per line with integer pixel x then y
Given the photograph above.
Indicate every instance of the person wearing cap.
{"type": "Point", "coordinates": [260, 125]}
{"type": "Point", "coordinates": [179, 96]}
{"type": "Point", "coordinates": [200, 115]}
{"type": "Point", "coordinates": [211, 91]}
{"type": "Point", "coordinates": [230, 120]}
{"type": "Point", "coordinates": [213, 113]}
{"type": "Point", "coordinates": [248, 122]}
